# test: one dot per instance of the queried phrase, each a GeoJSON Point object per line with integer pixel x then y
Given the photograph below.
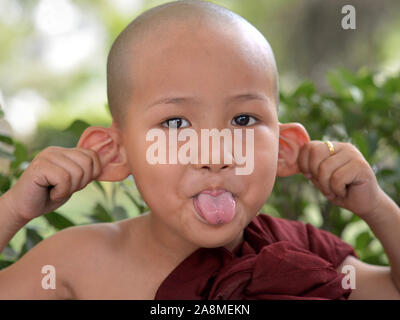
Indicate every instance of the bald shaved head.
{"type": "Point", "coordinates": [159, 24]}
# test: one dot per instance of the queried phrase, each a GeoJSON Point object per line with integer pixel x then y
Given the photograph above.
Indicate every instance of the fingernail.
{"type": "Point", "coordinates": [308, 175]}
{"type": "Point", "coordinates": [330, 196]}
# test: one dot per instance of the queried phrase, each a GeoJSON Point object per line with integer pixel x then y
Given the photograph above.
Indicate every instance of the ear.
{"type": "Point", "coordinates": [107, 143]}
{"type": "Point", "coordinates": [292, 136]}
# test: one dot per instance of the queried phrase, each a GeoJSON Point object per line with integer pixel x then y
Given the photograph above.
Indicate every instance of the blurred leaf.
{"type": "Point", "coordinates": [337, 84]}
{"type": "Point", "coordinates": [141, 206]}
{"type": "Point", "coordinates": [32, 239]}
{"type": "Point", "coordinates": [100, 214]}
{"type": "Point", "coordinates": [360, 141]}
{"type": "Point", "coordinates": [58, 221]}
{"type": "Point", "coordinates": [5, 183]}
{"type": "Point", "coordinates": [306, 89]}
{"type": "Point", "coordinates": [20, 154]}
{"type": "Point", "coordinates": [373, 141]}
{"type": "Point", "coordinates": [362, 240]}
{"type": "Point", "coordinates": [6, 139]}
{"type": "Point", "coordinates": [120, 213]}
{"type": "Point", "coordinates": [7, 155]}
{"type": "Point", "coordinates": [77, 127]}
{"type": "Point", "coordinates": [9, 253]}
{"type": "Point", "coordinates": [5, 263]}
{"type": "Point", "coordinates": [101, 188]}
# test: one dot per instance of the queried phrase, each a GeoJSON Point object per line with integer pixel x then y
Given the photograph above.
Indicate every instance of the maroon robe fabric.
{"type": "Point", "coordinates": [278, 259]}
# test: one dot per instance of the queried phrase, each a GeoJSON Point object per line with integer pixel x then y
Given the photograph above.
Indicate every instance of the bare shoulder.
{"type": "Point", "coordinates": [83, 257]}
{"type": "Point", "coordinates": [368, 281]}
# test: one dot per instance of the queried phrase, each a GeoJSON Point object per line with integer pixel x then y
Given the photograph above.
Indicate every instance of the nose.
{"type": "Point", "coordinates": [214, 156]}
{"type": "Point", "coordinates": [214, 167]}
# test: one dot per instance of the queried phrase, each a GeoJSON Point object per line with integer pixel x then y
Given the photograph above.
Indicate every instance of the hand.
{"type": "Point", "coordinates": [50, 180]}
{"type": "Point", "coordinates": [345, 178]}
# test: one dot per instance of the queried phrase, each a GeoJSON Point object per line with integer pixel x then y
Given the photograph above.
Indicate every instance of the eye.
{"type": "Point", "coordinates": [244, 120]}
{"type": "Point", "coordinates": [174, 123]}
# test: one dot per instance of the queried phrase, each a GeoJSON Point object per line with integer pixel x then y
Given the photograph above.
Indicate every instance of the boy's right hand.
{"type": "Point", "coordinates": [50, 180]}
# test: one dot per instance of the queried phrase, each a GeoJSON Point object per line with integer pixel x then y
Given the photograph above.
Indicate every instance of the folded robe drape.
{"type": "Point", "coordinates": [278, 259]}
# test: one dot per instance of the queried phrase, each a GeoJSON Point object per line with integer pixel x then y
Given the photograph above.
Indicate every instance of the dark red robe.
{"type": "Point", "coordinates": [278, 259]}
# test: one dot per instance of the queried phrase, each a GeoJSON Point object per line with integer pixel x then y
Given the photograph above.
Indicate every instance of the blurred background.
{"type": "Point", "coordinates": [341, 84]}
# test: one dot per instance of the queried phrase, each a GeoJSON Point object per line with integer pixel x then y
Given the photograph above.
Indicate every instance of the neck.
{"type": "Point", "coordinates": [170, 247]}
{"type": "Point", "coordinates": [164, 243]}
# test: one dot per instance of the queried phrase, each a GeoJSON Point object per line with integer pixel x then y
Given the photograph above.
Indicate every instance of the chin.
{"type": "Point", "coordinates": [222, 237]}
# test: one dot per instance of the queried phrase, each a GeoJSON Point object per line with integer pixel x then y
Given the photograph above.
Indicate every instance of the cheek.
{"type": "Point", "coordinates": [159, 184]}
{"type": "Point", "coordinates": [260, 183]}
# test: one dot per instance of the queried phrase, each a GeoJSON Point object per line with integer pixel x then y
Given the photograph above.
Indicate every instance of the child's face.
{"type": "Point", "coordinates": [209, 66]}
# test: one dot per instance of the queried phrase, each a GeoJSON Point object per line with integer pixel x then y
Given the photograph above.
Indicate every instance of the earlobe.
{"type": "Point", "coordinates": [292, 137]}
{"type": "Point", "coordinates": [107, 143]}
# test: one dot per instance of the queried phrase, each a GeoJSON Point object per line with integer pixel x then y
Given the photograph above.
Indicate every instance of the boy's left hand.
{"type": "Point", "coordinates": [345, 177]}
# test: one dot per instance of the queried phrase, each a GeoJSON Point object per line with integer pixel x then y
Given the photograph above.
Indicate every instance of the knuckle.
{"type": "Point", "coordinates": [323, 170]}
{"type": "Point", "coordinates": [92, 152]}
{"type": "Point", "coordinates": [66, 177]}
{"type": "Point", "coordinates": [35, 165]}
{"type": "Point", "coordinates": [80, 173]}
{"type": "Point", "coordinates": [312, 154]}
{"type": "Point", "coordinates": [349, 146]}
{"type": "Point", "coordinates": [88, 161]}
{"type": "Point", "coordinates": [87, 155]}
{"type": "Point", "coordinates": [51, 149]}
{"type": "Point", "coordinates": [335, 179]}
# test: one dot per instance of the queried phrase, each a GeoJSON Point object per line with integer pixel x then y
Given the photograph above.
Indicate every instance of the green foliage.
{"type": "Point", "coordinates": [358, 109]}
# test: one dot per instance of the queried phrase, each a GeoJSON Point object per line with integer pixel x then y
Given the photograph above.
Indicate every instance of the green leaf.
{"type": "Point", "coordinates": [8, 253]}
{"type": "Point", "coordinates": [20, 154]}
{"type": "Point", "coordinates": [306, 88]}
{"type": "Point", "coordinates": [76, 128]}
{"type": "Point", "coordinates": [101, 188]}
{"type": "Point", "coordinates": [101, 214]}
{"type": "Point", "coordinates": [6, 139]}
{"type": "Point", "coordinates": [58, 221]}
{"type": "Point", "coordinates": [7, 155]}
{"type": "Point", "coordinates": [120, 213]}
{"type": "Point", "coordinates": [360, 142]}
{"type": "Point", "coordinates": [5, 263]}
{"type": "Point", "coordinates": [32, 238]}
{"type": "Point", "coordinates": [362, 240]}
{"type": "Point", "coordinates": [141, 207]}
{"type": "Point", "coordinates": [373, 141]}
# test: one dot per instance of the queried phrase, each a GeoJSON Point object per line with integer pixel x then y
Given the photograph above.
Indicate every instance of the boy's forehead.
{"type": "Point", "coordinates": [169, 39]}
{"type": "Point", "coordinates": [180, 52]}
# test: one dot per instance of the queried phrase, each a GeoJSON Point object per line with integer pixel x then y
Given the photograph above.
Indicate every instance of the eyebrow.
{"type": "Point", "coordinates": [183, 100]}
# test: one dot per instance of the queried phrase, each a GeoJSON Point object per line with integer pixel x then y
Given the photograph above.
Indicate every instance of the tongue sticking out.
{"type": "Point", "coordinates": [215, 210]}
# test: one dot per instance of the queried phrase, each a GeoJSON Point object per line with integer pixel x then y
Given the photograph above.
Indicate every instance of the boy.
{"type": "Point", "coordinates": [193, 63]}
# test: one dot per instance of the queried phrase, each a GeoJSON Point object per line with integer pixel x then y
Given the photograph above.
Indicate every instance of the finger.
{"type": "Point", "coordinates": [96, 164]}
{"type": "Point", "coordinates": [105, 158]}
{"type": "Point", "coordinates": [76, 172]}
{"type": "Point", "coordinates": [48, 174]}
{"type": "Point", "coordinates": [88, 161]}
{"type": "Point", "coordinates": [319, 153]}
{"type": "Point", "coordinates": [303, 161]}
{"type": "Point", "coordinates": [326, 169]}
{"type": "Point", "coordinates": [84, 162]}
{"type": "Point", "coordinates": [342, 177]}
